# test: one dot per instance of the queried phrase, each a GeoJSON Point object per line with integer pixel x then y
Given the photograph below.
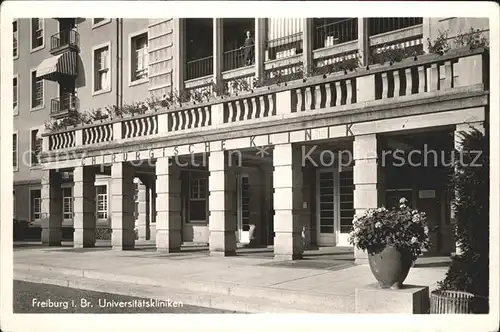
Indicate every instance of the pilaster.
{"type": "Point", "coordinates": [308, 60]}
{"type": "Point", "coordinates": [51, 199]}
{"type": "Point", "coordinates": [168, 205]}
{"type": "Point", "coordinates": [84, 196]}
{"type": "Point", "coordinates": [122, 207]}
{"type": "Point", "coordinates": [367, 180]}
{"type": "Point", "coordinates": [288, 200]}
{"type": "Point", "coordinates": [222, 219]}
{"type": "Point", "coordinates": [218, 51]}
{"type": "Point", "coordinates": [364, 41]}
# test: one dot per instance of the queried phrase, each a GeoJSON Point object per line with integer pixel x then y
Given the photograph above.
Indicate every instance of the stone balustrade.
{"type": "Point", "coordinates": [410, 77]}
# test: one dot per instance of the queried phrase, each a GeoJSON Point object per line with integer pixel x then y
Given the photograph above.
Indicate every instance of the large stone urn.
{"type": "Point", "coordinates": [390, 266]}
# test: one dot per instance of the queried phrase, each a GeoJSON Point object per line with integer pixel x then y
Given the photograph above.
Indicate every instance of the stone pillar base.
{"type": "Point", "coordinates": [410, 299]}
{"type": "Point", "coordinates": [122, 239]}
{"type": "Point", "coordinates": [288, 246]}
{"type": "Point", "coordinates": [168, 240]}
{"type": "Point", "coordinates": [51, 236]}
{"type": "Point", "coordinates": [84, 238]}
{"type": "Point", "coordinates": [222, 243]}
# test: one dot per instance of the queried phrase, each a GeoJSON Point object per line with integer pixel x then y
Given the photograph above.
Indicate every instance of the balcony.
{"type": "Point", "coordinates": [200, 68]}
{"type": "Point", "coordinates": [63, 41]}
{"type": "Point", "coordinates": [238, 58]}
{"type": "Point", "coordinates": [329, 34]}
{"type": "Point", "coordinates": [434, 89]}
{"type": "Point", "coordinates": [62, 106]}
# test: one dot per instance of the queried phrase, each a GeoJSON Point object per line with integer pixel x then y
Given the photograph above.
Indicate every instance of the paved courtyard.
{"type": "Point", "coordinates": [324, 281]}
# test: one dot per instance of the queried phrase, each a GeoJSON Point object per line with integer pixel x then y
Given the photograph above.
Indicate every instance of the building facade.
{"type": "Point", "coordinates": [251, 131]}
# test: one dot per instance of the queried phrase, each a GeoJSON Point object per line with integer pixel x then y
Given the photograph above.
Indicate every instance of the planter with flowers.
{"type": "Point", "coordinates": [393, 240]}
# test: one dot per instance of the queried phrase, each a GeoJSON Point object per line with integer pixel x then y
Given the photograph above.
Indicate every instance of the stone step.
{"type": "Point", "coordinates": [233, 303]}
{"type": "Point", "coordinates": [314, 302]}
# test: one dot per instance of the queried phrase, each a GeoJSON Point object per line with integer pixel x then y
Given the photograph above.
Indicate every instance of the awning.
{"type": "Point", "coordinates": [62, 64]}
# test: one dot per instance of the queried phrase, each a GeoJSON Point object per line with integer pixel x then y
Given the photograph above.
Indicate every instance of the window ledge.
{"type": "Point", "coordinates": [38, 108]}
{"type": "Point", "coordinates": [197, 222]}
{"type": "Point", "coordinates": [139, 81]}
{"type": "Point", "coordinates": [35, 167]}
{"type": "Point", "coordinates": [36, 49]}
{"type": "Point", "coordinates": [100, 92]}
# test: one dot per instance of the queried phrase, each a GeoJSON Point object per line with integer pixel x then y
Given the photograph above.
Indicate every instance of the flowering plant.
{"type": "Point", "coordinates": [402, 228]}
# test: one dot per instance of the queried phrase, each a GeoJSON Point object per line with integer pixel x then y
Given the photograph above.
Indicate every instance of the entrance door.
{"type": "Point", "coordinates": [326, 205]}
{"type": "Point", "coordinates": [429, 202]}
{"type": "Point", "coordinates": [243, 209]}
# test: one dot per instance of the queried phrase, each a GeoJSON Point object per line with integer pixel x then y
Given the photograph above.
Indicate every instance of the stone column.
{"type": "Point", "coordinates": [426, 32]}
{"type": "Point", "coordinates": [218, 51]}
{"type": "Point", "coordinates": [51, 207]}
{"type": "Point", "coordinates": [222, 219]}
{"type": "Point", "coordinates": [364, 41]}
{"type": "Point", "coordinates": [122, 207]}
{"type": "Point", "coordinates": [308, 60]}
{"type": "Point", "coordinates": [179, 54]}
{"type": "Point", "coordinates": [260, 45]}
{"type": "Point", "coordinates": [168, 205]}
{"type": "Point", "coordinates": [287, 178]}
{"type": "Point", "coordinates": [459, 129]}
{"type": "Point", "coordinates": [84, 194]}
{"type": "Point", "coordinates": [143, 212]}
{"type": "Point", "coordinates": [366, 181]}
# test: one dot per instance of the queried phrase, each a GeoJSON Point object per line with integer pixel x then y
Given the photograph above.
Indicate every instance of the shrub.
{"type": "Point", "coordinates": [469, 271]}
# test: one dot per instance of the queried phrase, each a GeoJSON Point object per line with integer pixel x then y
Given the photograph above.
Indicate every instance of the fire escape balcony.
{"type": "Point", "coordinates": [66, 40]}
{"type": "Point", "coordinates": [64, 105]}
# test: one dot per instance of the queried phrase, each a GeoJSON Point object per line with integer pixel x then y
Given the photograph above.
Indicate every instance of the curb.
{"type": "Point", "coordinates": [314, 302]}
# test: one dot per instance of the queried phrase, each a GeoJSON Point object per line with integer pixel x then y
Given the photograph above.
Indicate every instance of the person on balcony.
{"type": "Point", "coordinates": [248, 47]}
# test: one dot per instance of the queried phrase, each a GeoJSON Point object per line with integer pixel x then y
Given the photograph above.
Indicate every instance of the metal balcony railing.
{"type": "Point", "coordinates": [65, 38]}
{"type": "Point", "coordinates": [64, 104]}
{"type": "Point", "coordinates": [382, 25]}
{"type": "Point", "coordinates": [284, 47]}
{"type": "Point", "coordinates": [237, 58]}
{"type": "Point", "coordinates": [200, 67]}
{"type": "Point", "coordinates": [338, 32]}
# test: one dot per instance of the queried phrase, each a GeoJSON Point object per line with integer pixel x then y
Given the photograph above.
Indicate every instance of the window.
{"type": "Point", "coordinates": [37, 33]}
{"type": "Point", "coordinates": [15, 36]}
{"type": "Point", "coordinates": [102, 69]}
{"type": "Point", "coordinates": [15, 96]}
{"type": "Point", "coordinates": [102, 202]}
{"type": "Point", "coordinates": [139, 57]}
{"type": "Point", "coordinates": [67, 194]}
{"type": "Point", "coordinates": [36, 147]}
{"type": "Point", "coordinates": [36, 91]}
{"type": "Point", "coordinates": [36, 204]}
{"type": "Point", "coordinates": [97, 22]}
{"type": "Point", "coordinates": [14, 152]}
{"type": "Point", "coordinates": [198, 199]}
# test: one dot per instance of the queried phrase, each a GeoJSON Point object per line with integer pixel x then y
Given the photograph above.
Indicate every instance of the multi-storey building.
{"type": "Point", "coordinates": [270, 131]}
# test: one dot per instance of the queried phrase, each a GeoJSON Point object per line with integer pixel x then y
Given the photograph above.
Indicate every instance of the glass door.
{"type": "Point", "coordinates": [326, 193]}
{"type": "Point", "coordinates": [243, 209]}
